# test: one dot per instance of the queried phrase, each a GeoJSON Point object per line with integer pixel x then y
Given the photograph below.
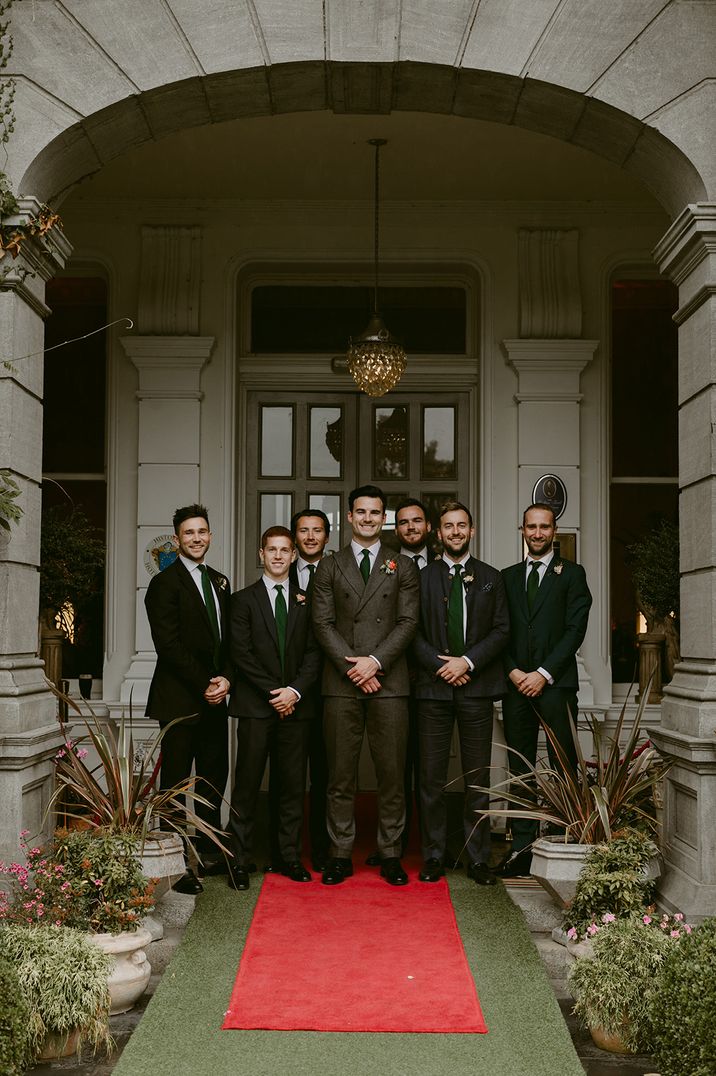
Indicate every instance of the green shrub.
{"type": "Point", "coordinates": [612, 880]}
{"type": "Point", "coordinates": [683, 1007]}
{"type": "Point", "coordinates": [15, 1054]}
{"type": "Point", "coordinates": [63, 977]}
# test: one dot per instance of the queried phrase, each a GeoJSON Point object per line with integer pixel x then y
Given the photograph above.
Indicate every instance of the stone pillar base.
{"type": "Point", "coordinates": [26, 784]}
{"type": "Point", "coordinates": [689, 837]}
{"type": "Point", "coordinates": [24, 696]}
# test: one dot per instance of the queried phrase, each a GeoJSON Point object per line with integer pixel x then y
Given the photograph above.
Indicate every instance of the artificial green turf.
{"type": "Point", "coordinates": [180, 1033]}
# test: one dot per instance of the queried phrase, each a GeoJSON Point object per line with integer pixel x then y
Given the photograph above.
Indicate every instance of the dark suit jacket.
{"type": "Point", "coordinates": [379, 617]}
{"type": "Point", "coordinates": [549, 636]}
{"type": "Point", "coordinates": [184, 643]}
{"type": "Point", "coordinates": [486, 633]}
{"type": "Point", "coordinates": [256, 658]}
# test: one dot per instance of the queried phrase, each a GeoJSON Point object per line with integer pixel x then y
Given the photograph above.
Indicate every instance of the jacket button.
{"type": "Point", "coordinates": [377, 620]}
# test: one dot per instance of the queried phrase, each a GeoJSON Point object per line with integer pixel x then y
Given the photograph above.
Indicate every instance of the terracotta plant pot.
{"type": "Point", "coordinates": [614, 1044]}
{"type": "Point", "coordinates": [59, 1045]}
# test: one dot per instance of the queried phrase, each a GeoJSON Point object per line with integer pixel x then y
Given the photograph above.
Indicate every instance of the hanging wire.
{"type": "Point", "coordinates": [34, 354]}
{"type": "Point", "coordinates": [377, 142]}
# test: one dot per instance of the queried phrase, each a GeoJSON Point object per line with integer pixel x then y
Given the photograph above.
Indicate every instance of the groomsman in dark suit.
{"type": "Point", "coordinates": [311, 530]}
{"type": "Point", "coordinates": [365, 612]}
{"type": "Point", "coordinates": [277, 663]}
{"type": "Point", "coordinates": [463, 630]}
{"type": "Point", "coordinates": [188, 609]}
{"type": "Point", "coordinates": [549, 603]}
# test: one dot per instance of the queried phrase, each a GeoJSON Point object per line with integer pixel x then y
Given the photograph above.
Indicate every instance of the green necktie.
{"type": "Point", "coordinates": [456, 634]}
{"type": "Point", "coordinates": [311, 573]}
{"type": "Point", "coordinates": [211, 610]}
{"type": "Point", "coordinates": [365, 565]}
{"type": "Point", "coordinates": [281, 614]}
{"type": "Point", "coordinates": [532, 584]}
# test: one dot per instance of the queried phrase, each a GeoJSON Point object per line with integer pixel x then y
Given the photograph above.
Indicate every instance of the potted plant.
{"type": "Point", "coordinates": [614, 988]}
{"type": "Point", "coordinates": [615, 880]}
{"type": "Point", "coordinates": [682, 1006]}
{"type": "Point", "coordinates": [15, 1053]}
{"type": "Point", "coordinates": [90, 881]}
{"type": "Point", "coordinates": [654, 564]}
{"type": "Point", "coordinates": [609, 794]}
{"type": "Point", "coordinates": [63, 978]}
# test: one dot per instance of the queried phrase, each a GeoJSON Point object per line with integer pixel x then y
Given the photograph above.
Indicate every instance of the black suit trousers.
{"type": "Point", "coordinates": [318, 774]}
{"type": "Point", "coordinates": [288, 742]}
{"type": "Point", "coordinates": [437, 719]}
{"type": "Point", "coordinates": [203, 745]}
{"type": "Point", "coordinates": [522, 727]}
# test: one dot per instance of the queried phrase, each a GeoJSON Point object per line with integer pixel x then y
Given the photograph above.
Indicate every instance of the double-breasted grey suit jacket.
{"type": "Point", "coordinates": [486, 635]}
{"type": "Point", "coordinates": [354, 618]}
{"type": "Point", "coordinates": [550, 635]}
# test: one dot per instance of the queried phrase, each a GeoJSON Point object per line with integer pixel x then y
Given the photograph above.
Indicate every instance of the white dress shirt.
{"type": "Point", "coordinates": [193, 569]}
{"type": "Point", "coordinates": [271, 585]}
{"type": "Point", "coordinates": [411, 554]}
{"type": "Point", "coordinates": [304, 576]}
{"type": "Point", "coordinates": [543, 564]}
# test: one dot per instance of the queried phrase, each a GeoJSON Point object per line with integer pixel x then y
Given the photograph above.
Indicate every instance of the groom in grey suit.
{"type": "Point", "coordinates": [365, 607]}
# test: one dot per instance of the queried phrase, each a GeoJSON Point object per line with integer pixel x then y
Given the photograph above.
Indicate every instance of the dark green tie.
{"type": "Point", "coordinates": [211, 610]}
{"type": "Point", "coordinates": [532, 584]}
{"type": "Point", "coordinates": [365, 565]}
{"type": "Point", "coordinates": [281, 614]}
{"type": "Point", "coordinates": [456, 635]}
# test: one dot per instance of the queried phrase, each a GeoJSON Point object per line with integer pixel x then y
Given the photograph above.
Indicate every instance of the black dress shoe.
{"type": "Point", "coordinates": [481, 874]}
{"type": "Point", "coordinates": [337, 870]}
{"type": "Point", "coordinates": [318, 862]}
{"type": "Point", "coordinates": [392, 871]}
{"type": "Point", "coordinates": [188, 884]}
{"type": "Point", "coordinates": [211, 867]}
{"type": "Point", "coordinates": [373, 860]}
{"type": "Point", "coordinates": [296, 872]}
{"type": "Point", "coordinates": [432, 871]}
{"type": "Point", "coordinates": [239, 878]}
{"type": "Point", "coordinates": [276, 866]}
{"type": "Point", "coordinates": [515, 865]}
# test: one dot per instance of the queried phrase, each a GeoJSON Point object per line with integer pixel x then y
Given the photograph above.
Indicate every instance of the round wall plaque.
{"type": "Point", "coordinates": [160, 553]}
{"type": "Point", "coordinates": [551, 490]}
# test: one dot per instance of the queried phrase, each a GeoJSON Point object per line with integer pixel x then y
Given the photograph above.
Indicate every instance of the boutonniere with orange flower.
{"type": "Point", "coordinates": [558, 568]}
{"type": "Point", "coordinates": [389, 567]}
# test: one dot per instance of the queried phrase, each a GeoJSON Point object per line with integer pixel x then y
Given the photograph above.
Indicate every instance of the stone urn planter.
{"type": "Point", "coordinates": [130, 975]}
{"type": "Point", "coordinates": [162, 858]}
{"type": "Point", "coordinates": [557, 865]}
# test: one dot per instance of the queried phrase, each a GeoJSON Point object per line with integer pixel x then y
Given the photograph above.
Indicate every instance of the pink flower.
{"type": "Point", "coordinates": [608, 917]}
{"type": "Point", "coordinates": [572, 933]}
{"type": "Point", "coordinates": [592, 929]}
{"type": "Point", "coordinates": [82, 753]}
{"type": "Point", "coordinates": [98, 881]}
{"type": "Point", "coordinates": [678, 916]}
{"type": "Point", "coordinates": [687, 928]}
{"type": "Point", "coordinates": [675, 934]}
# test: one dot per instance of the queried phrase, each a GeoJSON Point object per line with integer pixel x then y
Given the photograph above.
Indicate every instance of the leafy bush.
{"type": "Point", "coordinates": [612, 880]}
{"type": "Point", "coordinates": [83, 878]}
{"type": "Point", "coordinates": [15, 1056]}
{"type": "Point", "coordinates": [63, 977]}
{"type": "Point", "coordinates": [615, 988]}
{"type": "Point", "coordinates": [683, 1006]}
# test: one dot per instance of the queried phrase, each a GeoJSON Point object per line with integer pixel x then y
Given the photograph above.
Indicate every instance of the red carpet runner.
{"type": "Point", "coordinates": [361, 956]}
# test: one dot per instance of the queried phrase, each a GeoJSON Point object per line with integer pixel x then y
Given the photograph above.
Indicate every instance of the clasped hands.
{"type": "Point", "coordinates": [454, 671]}
{"type": "Point", "coordinates": [530, 684]}
{"type": "Point", "coordinates": [217, 690]}
{"type": "Point", "coordinates": [284, 700]}
{"type": "Point", "coordinates": [364, 674]}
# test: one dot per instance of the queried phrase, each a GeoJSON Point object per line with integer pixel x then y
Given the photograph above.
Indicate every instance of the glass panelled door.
{"type": "Point", "coordinates": [312, 449]}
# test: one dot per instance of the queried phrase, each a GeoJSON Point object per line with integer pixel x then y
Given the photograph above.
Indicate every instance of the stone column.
{"type": "Point", "coordinates": [548, 360]}
{"type": "Point", "coordinates": [29, 733]}
{"type": "Point", "coordinates": [687, 254]}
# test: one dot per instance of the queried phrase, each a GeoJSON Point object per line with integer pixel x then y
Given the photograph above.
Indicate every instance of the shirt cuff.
{"type": "Point", "coordinates": [374, 658]}
{"type": "Point", "coordinates": [296, 693]}
{"type": "Point", "coordinates": [543, 672]}
{"type": "Point", "coordinates": [470, 665]}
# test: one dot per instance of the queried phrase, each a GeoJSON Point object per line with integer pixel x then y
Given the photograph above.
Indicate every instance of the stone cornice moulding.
{"type": "Point", "coordinates": [169, 367]}
{"type": "Point", "coordinates": [322, 372]}
{"type": "Point", "coordinates": [690, 239]}
{"type": "Point", "coordinates": [549, 369]}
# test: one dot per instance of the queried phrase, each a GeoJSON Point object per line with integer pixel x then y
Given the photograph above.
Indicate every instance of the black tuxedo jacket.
{"type": "Point", "coordinates": [550, 636]}
{"type": "Point", "coordinates": [256, 658]}
{"type": "Point", "coordinates": [486, 634]}
{"type": "Point", "coordinates": [183, 640]}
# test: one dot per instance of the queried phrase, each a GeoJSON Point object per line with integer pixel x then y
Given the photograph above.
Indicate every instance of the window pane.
{"type": "Point", "coordinates": [327, 426]}
{"type": "Point", "coordinates": [276, 511]}
{"type": "Point", "coordinates": [390, 452]}
{"type": "Point", "coordinates": [330, 503]}
{"type": "Point", "coordinates": [439, 442]}
{"type": "Point", "coordinates": [276, 442]}
{"type": "Point", "coordinates": [434, 501]}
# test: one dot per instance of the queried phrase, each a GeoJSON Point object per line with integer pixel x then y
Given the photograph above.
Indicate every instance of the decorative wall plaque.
{"type": "Point", "coordinates": [160, 553]}
{"type": "Point", "coordinates": [551, 490]}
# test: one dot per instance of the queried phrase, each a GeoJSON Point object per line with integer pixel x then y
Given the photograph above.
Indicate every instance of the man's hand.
{"type": "Point", "coordinates": [217, 690]}
{"type": "Point", "coordinates": [284, 700]}
{"type": "Point", "coordinates": [369, 687]}
{"type": "Point", "coordinates": [363, 670]}
{"type": "Point", "coordinates": [455, 671]}
{"type": "Point", "coordinates": [530, 684]}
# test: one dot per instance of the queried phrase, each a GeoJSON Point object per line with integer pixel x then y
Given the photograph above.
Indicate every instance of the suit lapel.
{"type": "Point", "coordinates": [374, 579]}
{"type": "Point", "coordinates": [264, 604]}
{"type": "Point", "coordinates": [347, 564]}
{"type": "Point", "coordinates": [193, 591]}
{"type": "Point", "coordinates": [545, 587]}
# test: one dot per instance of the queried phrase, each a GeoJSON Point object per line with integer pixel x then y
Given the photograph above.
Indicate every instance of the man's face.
{"type": "Point", "coordinates": [455, 533]}
{"type": "Point", "coordinates": [412, 527]}
{"type": "Point", "coordinates": [366, 519]}
{"type": "Point", "coordinates": [276, 557]}
{"type": "Point", "coordinates": [311, 537]}
{"type": "Point", "coordinates": [193, 539]}
{"type": "Point", "coordinates": [538, 531]}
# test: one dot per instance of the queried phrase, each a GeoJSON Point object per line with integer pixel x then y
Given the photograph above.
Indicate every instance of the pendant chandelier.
{"type": "Point", "coordinates": [376, 360]}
